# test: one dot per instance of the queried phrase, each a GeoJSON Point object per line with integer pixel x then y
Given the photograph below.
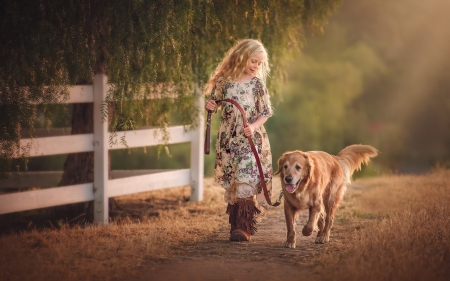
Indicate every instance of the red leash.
{"type": "Point", "coordinates": [252, 145]}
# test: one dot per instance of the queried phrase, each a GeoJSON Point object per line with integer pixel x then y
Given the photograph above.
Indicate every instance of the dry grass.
{"type": "Point", "coordinates": [400, 230]}
{"type": "Point", "coordinates": [95, 252]}
{"type": "Point", "coordinates": [390, 228]}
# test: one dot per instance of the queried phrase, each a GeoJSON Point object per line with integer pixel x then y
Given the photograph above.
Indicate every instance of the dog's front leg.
{"type": "Point", "coordinates": [290, 214]}
{"type": "Point", "coordinates": [314, 212]}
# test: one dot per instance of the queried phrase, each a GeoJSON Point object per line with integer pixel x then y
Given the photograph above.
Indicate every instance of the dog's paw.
{"type": "Point", "coordinates": [289, 245]}
{"type": "Point", "coordinates": [306, 231]}
{"type": "Point", "coordinates": [322, 240]}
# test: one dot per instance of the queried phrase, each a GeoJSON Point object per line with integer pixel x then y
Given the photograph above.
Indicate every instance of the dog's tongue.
{"type": "Point", "coordinates": [290, 188]}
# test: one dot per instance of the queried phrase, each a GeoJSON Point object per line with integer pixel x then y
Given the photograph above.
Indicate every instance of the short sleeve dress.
{"type": "Point", "coordinates": [235, 163]}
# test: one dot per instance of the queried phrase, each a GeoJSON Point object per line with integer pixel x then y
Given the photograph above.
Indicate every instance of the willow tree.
{"type": "Point", "coordinates": [142, 46]}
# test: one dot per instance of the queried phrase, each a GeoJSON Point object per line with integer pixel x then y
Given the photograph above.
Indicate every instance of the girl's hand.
{"type": "Point", "coordinates": [249, 130]}
{"type": "Point", "coordinates": [211, 105]}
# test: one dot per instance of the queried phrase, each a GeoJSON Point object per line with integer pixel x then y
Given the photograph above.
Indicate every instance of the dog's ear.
{"type": "Point", "coordinates": [279, 162]}
{"type": "Point", "coordinates": [309, 168]}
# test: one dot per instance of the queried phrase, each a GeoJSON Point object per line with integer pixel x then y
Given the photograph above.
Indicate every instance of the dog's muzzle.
{"type": "Point", "coordinates": [289, 186]}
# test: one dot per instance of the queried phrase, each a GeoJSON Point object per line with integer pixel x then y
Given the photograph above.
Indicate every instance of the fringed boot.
{"type": "Point", "coordinates": [245, 220]}
{"type": "Point", "coordinates": [232, 211]}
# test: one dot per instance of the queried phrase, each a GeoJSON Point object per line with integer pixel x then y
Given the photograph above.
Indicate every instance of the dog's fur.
{"type": "Point", "coordinates": [317, 181]}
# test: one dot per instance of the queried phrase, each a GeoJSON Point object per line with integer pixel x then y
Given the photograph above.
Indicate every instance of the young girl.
{"type": "Point", "coordinates": [241, 77]}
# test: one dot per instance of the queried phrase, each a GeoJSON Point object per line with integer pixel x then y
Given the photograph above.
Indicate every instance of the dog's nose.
{"type": "Point", "coordinates": [288, 179]}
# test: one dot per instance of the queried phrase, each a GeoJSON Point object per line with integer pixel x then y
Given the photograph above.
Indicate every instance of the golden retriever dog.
{"type": "Point", "coordinates": [316, 181]}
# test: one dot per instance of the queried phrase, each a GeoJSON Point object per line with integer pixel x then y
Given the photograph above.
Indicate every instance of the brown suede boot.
{"type": "Point", "coordinates": [245, 220]}
{"type": "Point", "coordinates": [232, 211]}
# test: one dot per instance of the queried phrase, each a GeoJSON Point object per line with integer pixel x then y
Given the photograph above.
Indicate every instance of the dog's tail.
{"type": "Point", "coordinates": [351, 158]}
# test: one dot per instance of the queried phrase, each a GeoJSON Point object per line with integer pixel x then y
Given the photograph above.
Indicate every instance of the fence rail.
{"type": "Point", "coordinates": [102, 188]}
{"type": "Point", "coordinates": [45, 146]}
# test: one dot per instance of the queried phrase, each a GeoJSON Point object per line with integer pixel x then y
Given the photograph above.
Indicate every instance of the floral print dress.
{"type": "Point", "coordinates": [235, 163]}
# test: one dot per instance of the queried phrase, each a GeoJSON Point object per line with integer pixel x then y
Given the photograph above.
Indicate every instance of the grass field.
{"type": "Point", "coordinates": [397, 229]}
{"type": "Point", "coordinates": [402, 230]}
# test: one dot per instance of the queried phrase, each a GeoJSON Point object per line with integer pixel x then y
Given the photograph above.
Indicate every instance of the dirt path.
{"type": "Point", "coordinates": [264, 257]}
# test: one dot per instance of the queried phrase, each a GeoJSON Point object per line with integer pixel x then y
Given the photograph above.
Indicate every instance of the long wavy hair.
{"type": "Point", "coordinates": [234, 63]}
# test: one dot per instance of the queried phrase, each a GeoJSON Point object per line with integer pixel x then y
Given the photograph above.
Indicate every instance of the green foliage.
{"type": "Point", "coordinates": [151, 158]}
{"type": "Point", "coordinates": [406, 103]}
{"type": "Point", "coordinates": [314, 114]}
{"type": "Point", "coordinates": [147, 48]}
{"type": "Point", "coordinates": [39, 59]}
{"type": "Point", "coordinates": [378, 76]}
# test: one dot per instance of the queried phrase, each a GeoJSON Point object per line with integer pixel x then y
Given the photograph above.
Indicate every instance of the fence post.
{"type": "Point", "coordinates": [101, 215]}
{"type": "Point", "coordinates": [197, 157]}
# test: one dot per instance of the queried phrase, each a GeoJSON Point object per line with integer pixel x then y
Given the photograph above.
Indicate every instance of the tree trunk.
{"type": "Point", "coordinates": [79, 167]}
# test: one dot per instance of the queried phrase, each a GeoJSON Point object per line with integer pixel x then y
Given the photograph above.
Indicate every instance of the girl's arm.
{"type": "Point", "coordinates": [251, 128]}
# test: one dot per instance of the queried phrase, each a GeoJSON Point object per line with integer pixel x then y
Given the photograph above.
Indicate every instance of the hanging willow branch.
{"type": "Point", "coordinates": [146, 48]}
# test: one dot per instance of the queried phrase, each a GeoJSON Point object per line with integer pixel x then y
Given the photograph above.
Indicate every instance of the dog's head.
{"type": "Point", "coordinates": [295, 169]}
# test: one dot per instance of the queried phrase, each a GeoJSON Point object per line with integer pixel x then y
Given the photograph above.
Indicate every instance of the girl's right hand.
{"type": "Point", "coordinates": [211, 105]}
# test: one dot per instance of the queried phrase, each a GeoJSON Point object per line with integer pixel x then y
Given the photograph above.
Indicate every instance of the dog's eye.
{"type": "Point", "coordinates": [285, 166]}
{"type": "Point", "coordinates": [298, 167]}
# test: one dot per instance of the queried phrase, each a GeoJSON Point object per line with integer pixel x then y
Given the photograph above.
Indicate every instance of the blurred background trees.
{"type": "Point", "coordinates": [379, 75]}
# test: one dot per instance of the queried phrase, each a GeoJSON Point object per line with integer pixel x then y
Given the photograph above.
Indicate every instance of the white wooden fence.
{"type": "Point", "coordinates": [102, 188]}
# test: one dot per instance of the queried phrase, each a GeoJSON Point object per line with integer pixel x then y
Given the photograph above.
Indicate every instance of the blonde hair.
{"type": "Point", "coordinates": [234, 63]}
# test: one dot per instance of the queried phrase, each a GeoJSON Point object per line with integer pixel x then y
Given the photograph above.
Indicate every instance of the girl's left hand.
{"type": "Point", "coordinates": [249, 130]}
